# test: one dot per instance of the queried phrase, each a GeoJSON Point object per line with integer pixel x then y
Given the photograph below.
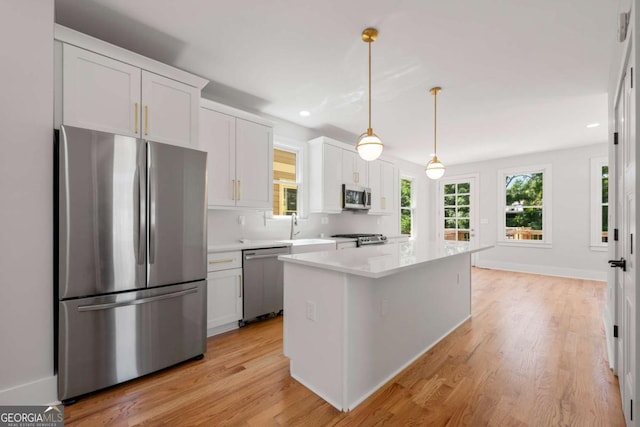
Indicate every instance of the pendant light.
{"type": "Point", "coordinates": [369, 146]}
{"type": "Point", "coordinates": [434, 168]}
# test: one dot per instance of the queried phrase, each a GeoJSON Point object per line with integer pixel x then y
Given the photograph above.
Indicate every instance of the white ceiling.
{"type": "Point", "coordinates": [518, 76]}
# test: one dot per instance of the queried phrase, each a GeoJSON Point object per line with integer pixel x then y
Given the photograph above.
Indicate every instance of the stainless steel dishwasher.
{"type": "Point", "coordinates": [262, 282]}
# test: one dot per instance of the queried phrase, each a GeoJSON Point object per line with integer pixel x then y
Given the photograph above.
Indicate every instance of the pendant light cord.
{"type": "Point", "coordinates": [435, 120]}
{"type": "Point", "coordinates": [370, 41]}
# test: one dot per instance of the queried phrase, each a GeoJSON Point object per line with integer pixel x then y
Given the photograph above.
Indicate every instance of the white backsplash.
{"type": "Point", "coordinates": [224, 225]}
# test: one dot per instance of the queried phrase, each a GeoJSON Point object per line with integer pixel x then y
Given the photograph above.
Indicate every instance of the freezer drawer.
{"type": "Point", "coordinates": [106, 340]}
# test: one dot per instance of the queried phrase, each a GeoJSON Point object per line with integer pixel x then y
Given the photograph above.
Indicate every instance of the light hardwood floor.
{"type": "Point", "coordinates": [532, 355]}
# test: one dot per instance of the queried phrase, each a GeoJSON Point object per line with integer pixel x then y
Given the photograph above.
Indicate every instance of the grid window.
{"type": "Point", "coordinates": [285, 182]}
{"type": "Point", "coordinates": [525, 215]}
{"type": "Point", "coordinates": [599, 203]}
{"type": "Point", "coordinates": [406, 206]}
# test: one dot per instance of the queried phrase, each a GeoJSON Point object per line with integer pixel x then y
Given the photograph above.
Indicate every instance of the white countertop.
{"type": "Point", "coordinates": [261, 244]}
{"type": "Point", "coordinates": [245, 245]}
{"type": "Point", "coordinates": [382, 260]}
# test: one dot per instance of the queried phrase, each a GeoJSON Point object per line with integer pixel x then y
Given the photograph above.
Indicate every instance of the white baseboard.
{"type": "Point", "coordinates": [608, 333]}
{"type": "Point", "coordinates": [313, 389]}
{"type": "Point", "coordinates": [546, 270]}
{"type": "Point", "coordinates": [222, 329]}
{"type": "Point", "coordinates": [40, 392]}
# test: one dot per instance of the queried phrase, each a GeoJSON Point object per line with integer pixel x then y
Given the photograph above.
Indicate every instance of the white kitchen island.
{"type": "Point", "coordinates": [353, 319]}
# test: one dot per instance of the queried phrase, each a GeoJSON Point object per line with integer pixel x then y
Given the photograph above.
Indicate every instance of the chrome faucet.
{"type": "Point", "coordinates": [294, 221]}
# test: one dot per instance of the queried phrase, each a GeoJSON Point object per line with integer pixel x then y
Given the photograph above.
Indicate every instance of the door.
{"type": "Point", "coordinates": [375, 183]}
{"type": "Point", "coordinates": [332, 178]}
{"type": "Point", "coordinates": [458, 209]}
{"type": "Point", "coordinates": [254, 164]}
{"type": "Point", "coordinates": [626, 217]}
{"type": "Point", "coordinates": [354, 169]}
{"type": "Point", "coordinates": [262, 282]}
{"type": "Point", "coordinates": [218, 137]}
{"type": "Point", "coordinates": [224, 297]}
{"type": "Point", "coordinates": [101, 213]}
{"type": "Point", "coordinates": [177, 214]}
{"type": "Point", "coordinates": [100, 93]}
{"type": "Point", "coordinates": [389, 186]}
{"type": "Point", "coordinates": [170, 111]}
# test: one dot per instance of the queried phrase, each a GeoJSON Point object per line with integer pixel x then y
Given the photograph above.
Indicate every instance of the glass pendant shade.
{"type": "Point", "coordinates": [435, 169]}
{"type": "Point", "coordinates": [369, 146]}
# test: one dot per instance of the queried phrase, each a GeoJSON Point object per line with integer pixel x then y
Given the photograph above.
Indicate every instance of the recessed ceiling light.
{"type": "Point", "coordinates": [304, 113]}
{"type": "Point", "coordinates": [593, 125]}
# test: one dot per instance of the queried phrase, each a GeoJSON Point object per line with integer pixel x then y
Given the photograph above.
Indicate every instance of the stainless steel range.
{"type": "Point", "coordinates": [365, 239]}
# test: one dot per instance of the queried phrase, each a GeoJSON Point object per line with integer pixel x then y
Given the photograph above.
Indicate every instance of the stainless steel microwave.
{"type": "Point", "coordinates": [355, 197]}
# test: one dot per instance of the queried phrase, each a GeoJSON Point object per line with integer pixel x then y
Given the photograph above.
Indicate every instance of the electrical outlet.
{"type": "Point", "coordinates": [311, 311]}
{"type": "Point", "coordinates": [324, 220]}
{"type": "Point", "coordinates": [241, 219]}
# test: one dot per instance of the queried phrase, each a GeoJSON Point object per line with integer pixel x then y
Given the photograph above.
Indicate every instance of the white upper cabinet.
{"type": "Point", "coordinates": [218, 138]}
{"type": "Point", "coordinates": [100, 93]}
{"type": "Point", "coordinates": [354, 169]}
{"type": "Point", "coordinates": [169, 110]}
{"type": "Point", "coordinates": [104, 87]}
{"type": "Point", "coordinates": [325, 176]}
{"type": "Point", "coordinates": [390, 188]}
{"type": "Point", "coordinates": [383, 182]}
{"type": "Point", "coordinates": [254, 164]}
{"type": "Point", "coordinates": [375, 175]}
{"type": "Point", "coordinates": [240, 161]}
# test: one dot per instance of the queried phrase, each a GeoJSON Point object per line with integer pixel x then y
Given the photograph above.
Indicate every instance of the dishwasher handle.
{"type": "Point", "coordinates": [253, 256]}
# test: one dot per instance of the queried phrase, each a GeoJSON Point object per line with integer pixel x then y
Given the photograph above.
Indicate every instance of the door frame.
{"type": "Point", "coordinates": [474, 217]}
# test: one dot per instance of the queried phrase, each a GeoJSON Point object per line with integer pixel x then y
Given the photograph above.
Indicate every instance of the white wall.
{"type": "Point", "coordinates": [26, 170]}
{"type": "Point", "coordinates": [570, 254]}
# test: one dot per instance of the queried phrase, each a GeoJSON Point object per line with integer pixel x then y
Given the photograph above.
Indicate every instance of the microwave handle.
{"type": "Point", "coordinates": [367, 198]}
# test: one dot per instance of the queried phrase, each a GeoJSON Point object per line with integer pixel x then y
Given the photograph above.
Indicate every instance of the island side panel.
{"type": "Point", "coordinates": [315, 347]}
{"type": "Point", "coordinates": [393, 320]}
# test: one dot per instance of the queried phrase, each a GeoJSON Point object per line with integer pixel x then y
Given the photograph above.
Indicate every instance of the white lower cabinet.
{"type": "Point", "coordinates": [224, 292]}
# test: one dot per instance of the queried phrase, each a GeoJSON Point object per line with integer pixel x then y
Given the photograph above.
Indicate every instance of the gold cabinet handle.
{"type": "Point", "coordinates": [239, 190]}
{"type": "Point", "coordinates": [136, 116]}
{"type": "Point", "coordinates": [146, 120]}
{"type": "Point", "coordinates": [233, 189]}
{"type": "Point", "coordinates": [221, 261]}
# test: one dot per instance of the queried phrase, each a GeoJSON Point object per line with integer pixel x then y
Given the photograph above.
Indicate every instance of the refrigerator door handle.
{"type": "Point", "coordinates": [152, 207]}
{"type": "Point", "coordinates": [95, 307]}
{"type": "Point", "coordinates": [142, 221]}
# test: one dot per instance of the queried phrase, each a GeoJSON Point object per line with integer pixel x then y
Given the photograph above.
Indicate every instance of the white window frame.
{"type": "Point", "coordinates": [411, 208]}
{"type": "Point", "coordinates": [297, 148]}
{"type": "Point", "coordinates": [547, 197]}
{"type": "Point", "coordinates": [596, 203]}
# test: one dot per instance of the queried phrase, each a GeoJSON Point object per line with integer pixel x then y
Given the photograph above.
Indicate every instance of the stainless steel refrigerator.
{"type": "Point", "coordinates": [130, 258]}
